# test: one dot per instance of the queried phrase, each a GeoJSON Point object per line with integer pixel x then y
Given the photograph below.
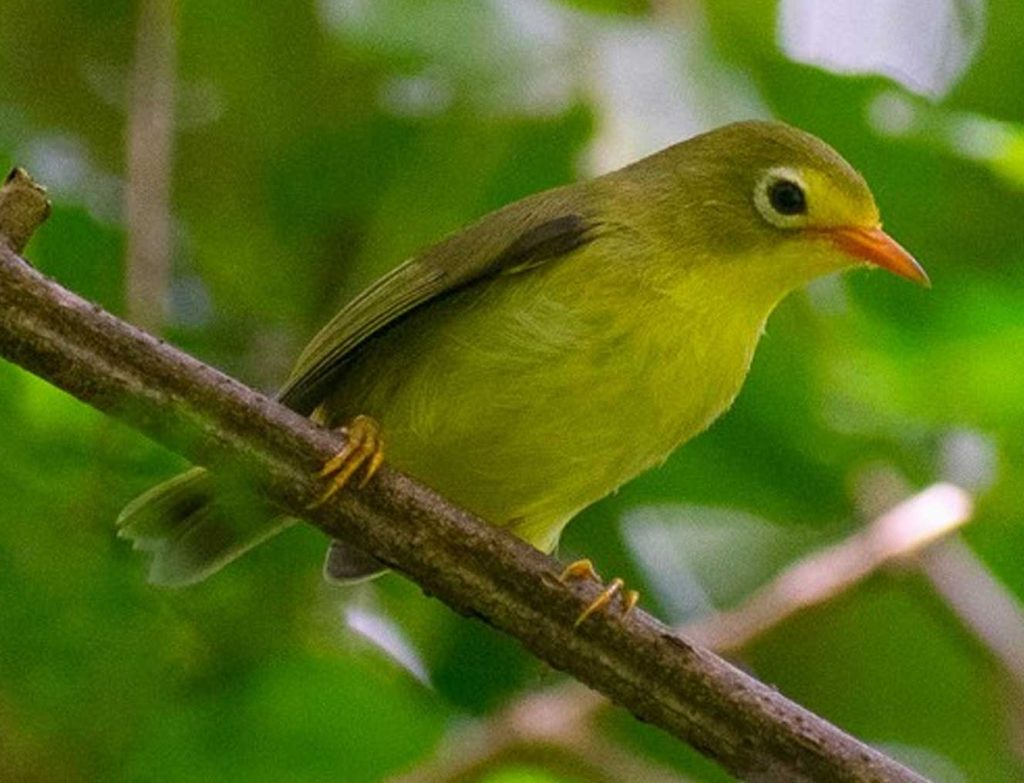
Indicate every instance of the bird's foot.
{"type": "Point", "coordinates": [584, 569]}
{"type": "Point", "coordinates": [363, 449]}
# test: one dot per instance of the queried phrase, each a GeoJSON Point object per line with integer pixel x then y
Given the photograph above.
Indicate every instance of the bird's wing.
{"type": "Point", "coordinates": [519, 237]}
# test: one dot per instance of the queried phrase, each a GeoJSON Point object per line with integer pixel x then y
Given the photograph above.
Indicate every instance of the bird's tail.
{"type": "Point", "coordinates": [190, 532]}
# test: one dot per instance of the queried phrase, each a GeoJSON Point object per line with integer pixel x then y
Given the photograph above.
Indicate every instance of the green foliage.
{"type": "Point", "coordinates": [319, 144]}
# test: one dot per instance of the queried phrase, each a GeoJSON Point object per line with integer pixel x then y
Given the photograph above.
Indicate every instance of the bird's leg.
{"type": "Point", "coordinates": [363, 449]}
{"type": "Point", "coordinates": [584, 569]}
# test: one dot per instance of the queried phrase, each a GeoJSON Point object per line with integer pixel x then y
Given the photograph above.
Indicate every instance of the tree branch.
{"type": "Point", "coordinates": [901, 531]}
{"type": "Point", "coordinates": [554, 729]}
{"type": "Point", "coordinates": [23, 208]}
{"type": "Point", "coordinates": [474, 567]}
{"type": "Point", "coordinates": [149, 146]}
{"type": "Point", "coordinates": [988, 610]}
{"type": "Point", "coordinates": [569, 714]}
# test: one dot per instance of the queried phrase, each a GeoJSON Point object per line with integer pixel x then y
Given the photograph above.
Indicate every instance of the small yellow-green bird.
{"type": "Point", "coordinates": [531, 363]}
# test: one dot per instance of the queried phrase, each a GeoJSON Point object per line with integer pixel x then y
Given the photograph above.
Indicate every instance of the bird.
{"type": "Point", "coordinates": [531, 363]}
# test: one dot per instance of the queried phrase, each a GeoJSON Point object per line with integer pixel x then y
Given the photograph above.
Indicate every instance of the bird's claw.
{"type": "Point", "coordinates": [363, 449]}
{"type": "Point", "coordinates": [584, 569]}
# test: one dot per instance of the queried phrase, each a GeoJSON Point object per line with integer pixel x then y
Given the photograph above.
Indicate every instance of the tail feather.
{"type": "Point", "coordinates": [347, 564]}
{"type": "Point", "coordinates": [190, 534]}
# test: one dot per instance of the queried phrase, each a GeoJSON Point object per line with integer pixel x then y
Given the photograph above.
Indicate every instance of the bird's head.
{"type": "Point", "coordinates": [780, 200]}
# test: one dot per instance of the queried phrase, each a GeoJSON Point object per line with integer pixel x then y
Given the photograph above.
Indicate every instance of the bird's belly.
{"type": "Point", "coordinates": [525, 415]}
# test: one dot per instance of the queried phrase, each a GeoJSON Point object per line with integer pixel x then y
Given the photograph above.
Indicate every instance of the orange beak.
{"type": "Point", "coordinates": [876, 247]}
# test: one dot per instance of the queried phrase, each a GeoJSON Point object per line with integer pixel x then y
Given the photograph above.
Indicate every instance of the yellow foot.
{"type": "Point", "coordinates": [363, 449]}
{"type": "Point", "coordinates": [580, 569]}
{"type": "Point", "coordinates": [584, 569]}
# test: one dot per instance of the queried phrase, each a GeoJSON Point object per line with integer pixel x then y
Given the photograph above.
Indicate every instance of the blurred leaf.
{"type": "Point", "coordinates": [924, 45]}
{"type": "Point", "coordinates": [524, 775]}
{"type": "Point", "coordinates": [632, 7]}
{"type": "Point", "coordinates": [704, 559]}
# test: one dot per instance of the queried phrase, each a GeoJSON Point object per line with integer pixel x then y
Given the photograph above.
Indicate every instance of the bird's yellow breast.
{"type": "Point", "coordinates": [534, 395]}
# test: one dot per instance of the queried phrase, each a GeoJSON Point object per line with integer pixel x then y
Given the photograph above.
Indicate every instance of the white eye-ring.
{"type": "Point", "coordinates": [781, 198]}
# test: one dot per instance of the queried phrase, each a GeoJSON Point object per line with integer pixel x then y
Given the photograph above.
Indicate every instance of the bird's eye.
{"type": "Point", "coordinates": [781, 197]}
{"type": "Point", "coordinates": [787, 198]}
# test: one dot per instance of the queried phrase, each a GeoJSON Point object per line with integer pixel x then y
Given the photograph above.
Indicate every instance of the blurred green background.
{"type": "Point", "coordinates": [317, 144]}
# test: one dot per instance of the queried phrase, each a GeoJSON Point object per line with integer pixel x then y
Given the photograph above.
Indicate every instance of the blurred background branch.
{"type": "Point", "coordinates": [985, 608]}
{"type": "Point", "coordinates": [553, 730]}
{"type": "Point", "coordinates": [989, 615]}
{"type": "Point", "coordinates": [824, 574]}
{"type": "Point", "coordinates": [149, 149]}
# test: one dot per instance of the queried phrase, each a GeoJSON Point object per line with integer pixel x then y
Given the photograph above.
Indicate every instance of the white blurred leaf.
{"type": "Point", "coordinates": [386, 636]}
{"type": "Point", "coordinates": [699, 559]}
{"type": "Point", "coordinates": [654, 83]}
{"type": "Point", "coordinates": [925, 45]}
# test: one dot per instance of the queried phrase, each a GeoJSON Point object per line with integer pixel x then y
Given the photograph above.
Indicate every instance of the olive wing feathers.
{"type": "Point", "coordinates": [522, 236]}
